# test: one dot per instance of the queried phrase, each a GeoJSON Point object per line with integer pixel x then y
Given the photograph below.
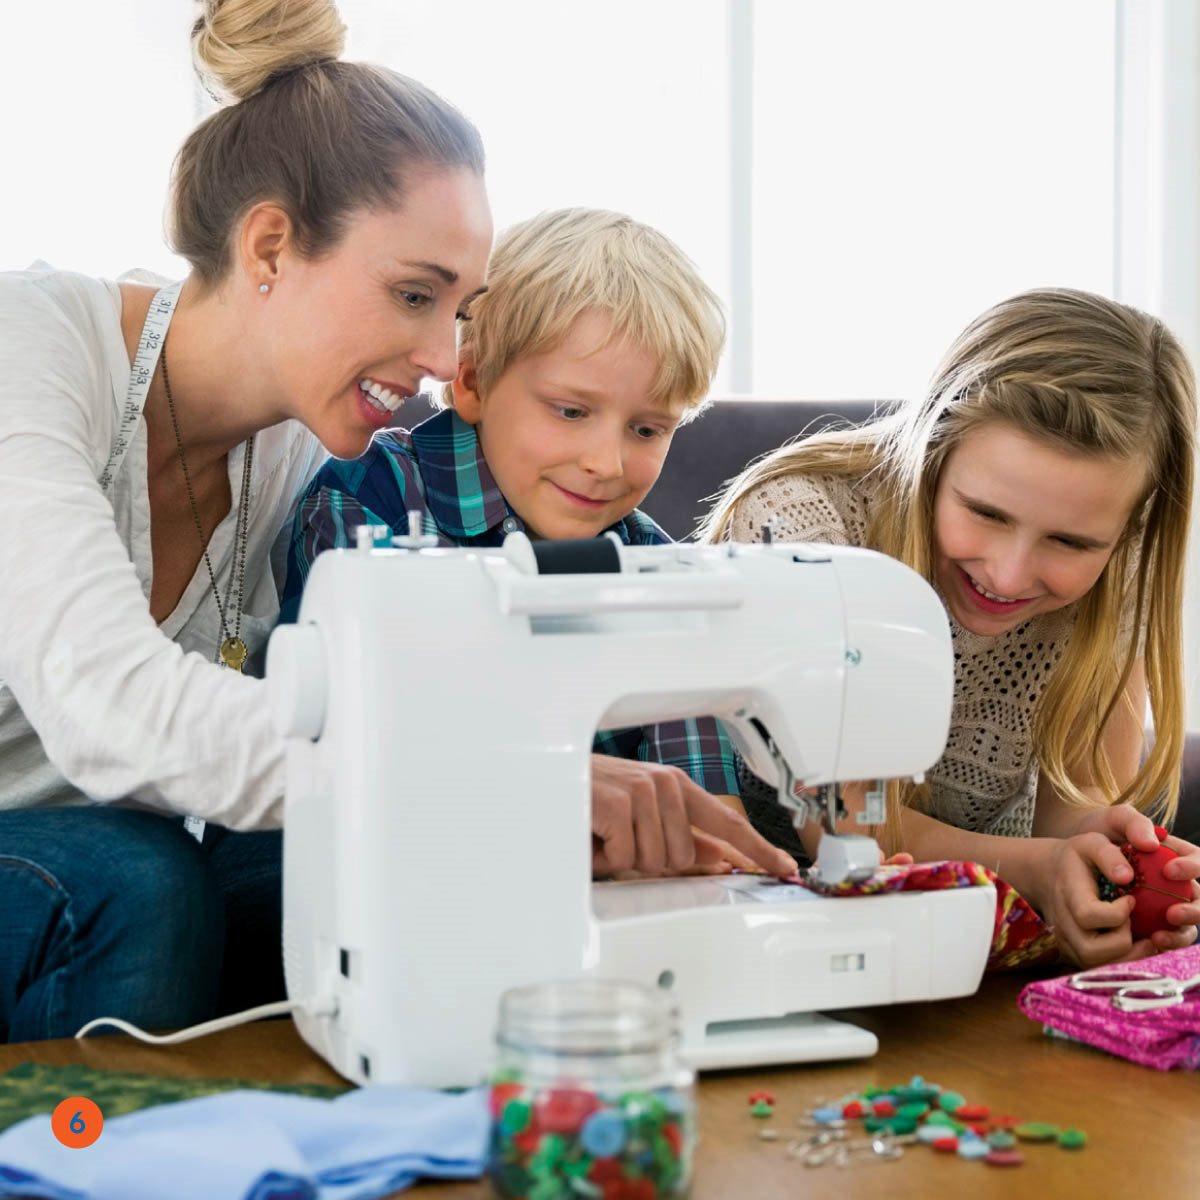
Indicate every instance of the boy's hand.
{"type": "Point", "coordinates": [642, 819]}
{"type": "Point", "coordinates": [1092, 931]}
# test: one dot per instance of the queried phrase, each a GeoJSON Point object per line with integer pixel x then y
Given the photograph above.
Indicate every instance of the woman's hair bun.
{"type": "Point", "coordinates": [239, 45]}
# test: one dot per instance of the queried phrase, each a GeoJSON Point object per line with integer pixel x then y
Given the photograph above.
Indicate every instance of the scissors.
{"type": "Point", "coordinates": [1134, 989]}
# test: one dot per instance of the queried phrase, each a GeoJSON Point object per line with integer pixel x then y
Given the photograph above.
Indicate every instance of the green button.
{"type": "Point", "coordinates": [1072, 1139]}
{"type": "Point", "coordinates": [1036, 1131]}
{"type": "Point", "coordinates": [516, 1116]}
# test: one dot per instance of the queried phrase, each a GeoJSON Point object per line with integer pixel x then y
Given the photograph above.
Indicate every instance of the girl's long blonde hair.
{"type": "Point", "coordinates": [1089, 376]}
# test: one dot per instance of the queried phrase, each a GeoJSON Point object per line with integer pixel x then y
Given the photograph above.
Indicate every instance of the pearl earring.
{"type": "Point", "coordinates": [264, 288]}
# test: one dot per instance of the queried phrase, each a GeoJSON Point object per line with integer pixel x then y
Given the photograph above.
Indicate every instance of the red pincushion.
{"type": "Point", "coordinates": [1148, 888]}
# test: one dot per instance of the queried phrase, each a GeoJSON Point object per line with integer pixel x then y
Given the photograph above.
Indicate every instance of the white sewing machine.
{"type": "Point", "coordinates": [440, 707]}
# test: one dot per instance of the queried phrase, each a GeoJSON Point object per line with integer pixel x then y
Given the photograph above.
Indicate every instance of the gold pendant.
{"type": "Point", "coordinates": [233, 652]}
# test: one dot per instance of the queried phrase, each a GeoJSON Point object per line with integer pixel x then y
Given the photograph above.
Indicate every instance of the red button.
{"type": "Point", "coordinates": [563, 1110]}
{"type": "Point", "coordinates": [972, 1112]}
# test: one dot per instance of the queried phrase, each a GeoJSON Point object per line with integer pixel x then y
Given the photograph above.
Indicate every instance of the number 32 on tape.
{"type": "Point", "coordinates": [77, 1122]}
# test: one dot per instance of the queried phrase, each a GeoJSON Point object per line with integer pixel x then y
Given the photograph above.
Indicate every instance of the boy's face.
{"type": "Point", "coordinates": [571, 435]}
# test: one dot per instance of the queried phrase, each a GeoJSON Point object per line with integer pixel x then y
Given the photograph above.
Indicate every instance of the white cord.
{"type": "Point", "coordinates": [319, 1008]}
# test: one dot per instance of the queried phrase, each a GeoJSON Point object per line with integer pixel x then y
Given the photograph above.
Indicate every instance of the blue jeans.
{"type": "Point", "coordinates": [115, 912]}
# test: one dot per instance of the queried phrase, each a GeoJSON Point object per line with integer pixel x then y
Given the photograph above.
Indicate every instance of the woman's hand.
{"type": "Point", "coordinates": [643, 816]}
{"type": "Point", "coordinates": [1092, 931]}
{"type": "Point", "coordinates": [713, 857]}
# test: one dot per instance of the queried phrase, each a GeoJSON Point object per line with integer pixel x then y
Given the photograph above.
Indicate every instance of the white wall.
{"type": "Point", "coordinates": [1158, 206]}
{"type": "Point", "coordinates": [94, 100]}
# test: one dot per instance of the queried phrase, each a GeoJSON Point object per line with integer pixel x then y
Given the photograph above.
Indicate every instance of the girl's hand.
{"type": "Point", "coordinates": [1090, 931]}
{"type": "Point", "coordinates": [1123, 823]}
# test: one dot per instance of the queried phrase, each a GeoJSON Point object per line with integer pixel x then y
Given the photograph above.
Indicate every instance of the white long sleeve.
{"type": "Point", "coordinates": [95, 698]}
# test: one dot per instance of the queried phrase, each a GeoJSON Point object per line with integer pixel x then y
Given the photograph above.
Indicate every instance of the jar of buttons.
{"type": "Point", "coordinates": [589, 1095]}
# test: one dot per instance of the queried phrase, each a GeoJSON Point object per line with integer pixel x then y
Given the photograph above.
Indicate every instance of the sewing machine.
{"type": "Point", "coordinates": [440, 706]}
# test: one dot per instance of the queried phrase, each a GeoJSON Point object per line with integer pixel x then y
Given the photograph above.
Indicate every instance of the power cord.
{"type": "Point", "coordinates": [321, 1007]}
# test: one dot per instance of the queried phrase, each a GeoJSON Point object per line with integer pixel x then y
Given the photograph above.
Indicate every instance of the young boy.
{"type": "Point", "coordinates": [594, 340]}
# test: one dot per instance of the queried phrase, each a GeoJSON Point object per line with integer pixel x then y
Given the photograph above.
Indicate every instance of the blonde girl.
{"type": "Point", "coordinates": [1043, 487]}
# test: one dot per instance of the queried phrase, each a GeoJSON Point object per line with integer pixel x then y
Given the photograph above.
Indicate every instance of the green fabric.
{"type": "Point", "coordinates": [31, 1088]}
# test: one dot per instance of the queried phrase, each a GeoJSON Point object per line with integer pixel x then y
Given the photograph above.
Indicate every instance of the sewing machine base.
{"type": "Point", "coordinates": [753, 963]}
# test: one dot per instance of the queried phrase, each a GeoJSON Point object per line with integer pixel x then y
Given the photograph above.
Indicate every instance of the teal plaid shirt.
{"type": "Point", "coordinates": [438, 469]}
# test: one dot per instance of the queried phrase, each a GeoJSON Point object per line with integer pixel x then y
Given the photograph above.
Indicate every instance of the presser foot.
{"type": "Point", "coordinates": [846, 856]}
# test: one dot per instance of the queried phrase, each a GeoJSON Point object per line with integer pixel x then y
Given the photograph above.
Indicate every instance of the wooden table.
{"type": "Point", "coordinates": [980, 1046]}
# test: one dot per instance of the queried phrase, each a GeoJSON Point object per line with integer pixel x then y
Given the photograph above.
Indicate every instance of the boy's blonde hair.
{"type": "Point", "coordinates": [1092, 377]}
{"type": "Point", "coordinates": [545, 273]}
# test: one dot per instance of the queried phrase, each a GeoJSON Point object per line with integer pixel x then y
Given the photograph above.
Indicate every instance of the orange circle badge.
{"type": "Point", "coordinates": [77, 1122]}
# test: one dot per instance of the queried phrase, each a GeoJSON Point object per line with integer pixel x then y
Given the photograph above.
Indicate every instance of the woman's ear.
{"type": "Point", "coordinates": [467, 402]}
{"type": "Point", "coordinates": [265, 233]}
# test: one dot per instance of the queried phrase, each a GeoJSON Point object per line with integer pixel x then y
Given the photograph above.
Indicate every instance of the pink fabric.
{"type": "Point", "coordinates": [1163, 1038]}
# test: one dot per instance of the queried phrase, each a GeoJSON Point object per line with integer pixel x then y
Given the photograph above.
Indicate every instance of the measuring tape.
{"type": "Point", "coordinates": [149, 347]}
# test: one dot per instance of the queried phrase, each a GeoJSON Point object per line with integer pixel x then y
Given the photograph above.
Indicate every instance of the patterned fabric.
{"type": "Point", "coordinates": [438, 471]}
{"type": "Point", "coordinates": [1163, 1038]}
{"type": "Point", "coordinates": [35, 1087]}
{"type": "Point", "coordinates": [1020, 938]}
{"type": "Point", "coordinates": [986, 780]}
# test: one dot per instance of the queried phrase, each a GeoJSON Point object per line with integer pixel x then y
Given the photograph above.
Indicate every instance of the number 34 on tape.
{"type": "Point", "coordinates": [77, 1122]}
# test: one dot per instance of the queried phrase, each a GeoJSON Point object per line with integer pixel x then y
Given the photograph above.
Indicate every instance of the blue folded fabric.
{"type": "Point", "coordinates": [257, 1146]}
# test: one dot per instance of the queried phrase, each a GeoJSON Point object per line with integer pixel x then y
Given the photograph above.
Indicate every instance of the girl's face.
{"type": "Point", "coordinates": [1022, 527]}
{"type": "Point", "coordinates": [380, 309]}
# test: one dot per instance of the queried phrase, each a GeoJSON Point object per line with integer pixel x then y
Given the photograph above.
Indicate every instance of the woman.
{"type": "Point", "coordinates": [153, 443]}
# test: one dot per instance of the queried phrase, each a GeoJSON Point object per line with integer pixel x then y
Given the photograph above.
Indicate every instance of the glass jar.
{"type": "Point", "coordinates": [589, 1097]}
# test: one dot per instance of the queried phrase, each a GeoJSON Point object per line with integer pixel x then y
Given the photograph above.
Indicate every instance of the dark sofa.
{"type": "Point", "coordinates": [730, 434]}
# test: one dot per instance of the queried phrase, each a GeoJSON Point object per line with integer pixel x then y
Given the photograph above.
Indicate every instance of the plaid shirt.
{"type": "Point", "coordinates": [438, 469]}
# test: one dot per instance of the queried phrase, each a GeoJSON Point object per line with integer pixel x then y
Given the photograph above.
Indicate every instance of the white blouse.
{"type": "Point", "coordinates": [97, 702]}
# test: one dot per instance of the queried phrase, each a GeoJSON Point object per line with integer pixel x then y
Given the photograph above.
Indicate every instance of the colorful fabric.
{"type": "Point", "coordinates": [1020, 938]}
{"type": "Point", "coordinates": [30, 1088]}
{"type": "Point", "coordinates": [438, 470]}
{"type": "Point", "coordinates": [1163, 1038]}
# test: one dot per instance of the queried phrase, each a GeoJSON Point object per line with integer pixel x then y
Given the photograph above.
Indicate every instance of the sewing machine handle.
{"type": "Point", "coordinates": [572, 595]}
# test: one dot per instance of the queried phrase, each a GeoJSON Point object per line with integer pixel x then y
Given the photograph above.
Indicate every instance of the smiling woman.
{"type": "Point", "coordinates": [153, 443]}
{"type": "Point", "coordinates": [1043, 485]}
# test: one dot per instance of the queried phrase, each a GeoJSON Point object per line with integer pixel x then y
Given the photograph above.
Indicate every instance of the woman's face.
{"type": "Point", "coordinates": [379, 312]}
{"type": "Point", "coordinates": [1022, 527]}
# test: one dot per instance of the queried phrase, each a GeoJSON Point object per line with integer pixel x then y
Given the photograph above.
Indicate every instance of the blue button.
{"type": "Point", "coordinates": [604, 1135]}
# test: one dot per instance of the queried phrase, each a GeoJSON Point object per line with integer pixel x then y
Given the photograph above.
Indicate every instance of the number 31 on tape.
{"type": "Point", "coordinates": [77, 1122]}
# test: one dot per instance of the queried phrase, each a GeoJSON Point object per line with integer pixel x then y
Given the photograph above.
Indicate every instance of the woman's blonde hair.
{"type": "Point", "coordinates": [545, 273]}
{"type": "Point", "coordinates": [1088, 376]}
{"type": "Point", "coordinates": [319, 137]}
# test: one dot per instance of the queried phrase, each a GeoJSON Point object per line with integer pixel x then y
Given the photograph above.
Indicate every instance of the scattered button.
{"type": "Point", "coordinates": [1004, 1158]}
{"type": "Point", "coordinates": [972, 1112]}
{"type": "Point", "coordinates": [1036, 1131]}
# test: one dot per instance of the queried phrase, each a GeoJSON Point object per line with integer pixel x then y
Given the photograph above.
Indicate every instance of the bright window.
{"type": "Point", "coordinates": [900, 166]}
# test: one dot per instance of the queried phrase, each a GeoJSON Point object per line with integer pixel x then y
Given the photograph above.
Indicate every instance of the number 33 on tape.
{"type": "Point", "coordinates": [77, 1122]}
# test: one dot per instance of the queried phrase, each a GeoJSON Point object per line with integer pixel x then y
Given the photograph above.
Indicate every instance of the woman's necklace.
{"type": "Point", "coordinates": [233, 649]}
